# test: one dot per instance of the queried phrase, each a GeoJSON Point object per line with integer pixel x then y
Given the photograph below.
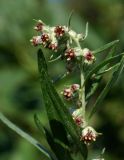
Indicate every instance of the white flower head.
{"type": "Point", "coordinates": [70, 54]}
{"type": "Point", "coordinates": [88, 55]}
{"type": "Point", "coordinates": [36, 40]}
{"type": "Point", "coordinates": [78, 117]}
{"type": "Point", "coordinates": [89, 134]}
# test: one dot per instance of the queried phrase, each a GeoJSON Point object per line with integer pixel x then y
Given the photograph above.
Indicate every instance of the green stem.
{"type": "Point", "coordinates": [82, 94]}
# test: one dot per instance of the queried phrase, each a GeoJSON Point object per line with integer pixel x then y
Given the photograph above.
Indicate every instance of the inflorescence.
{"type": "Point", "coordinates": [53, 38]}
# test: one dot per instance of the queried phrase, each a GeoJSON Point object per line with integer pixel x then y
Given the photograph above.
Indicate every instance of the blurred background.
{"type": "Point", "coordinates": [20, 95]}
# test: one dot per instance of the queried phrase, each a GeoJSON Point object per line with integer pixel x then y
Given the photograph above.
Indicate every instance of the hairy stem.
{"type": "Point", "coordinates": [82, 90]}
{"type": "Point", "coordinates": [82, 93]}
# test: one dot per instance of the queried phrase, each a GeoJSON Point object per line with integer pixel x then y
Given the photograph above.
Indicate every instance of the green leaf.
{"type": "Point", "coordinates": [55, 125]}
{"type": "Point", "coordinates": [46, 99]}
{"type": "Point", "coordinates": [69, 19]}
{"type": "Point", "coordinates": [60, 150]}
{"type": "Point", "coordinates": [60, 108]}
{"type": "Point", "coordinates": [95, 84]}
{"type": "Point", "coordinates": [101, 65]}
{"type": "Point", "coordinates": [109, 85]}
{"type": "Point", "coordinates": [26, 136]}
{"type": "Point", "coordinates": [39, 124]}
{"type": "Point", "coordinates": [93, 88]}
{"type": "Point", "coordinates": [105, 47]}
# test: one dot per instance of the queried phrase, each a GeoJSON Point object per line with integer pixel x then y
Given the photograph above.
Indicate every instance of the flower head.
{"type": "Point", "coordinates": [59, 31]}
{"type": "Point", "coordinates": [70, 54]}
{"type": "Point", "coordinates": [39, 26]}
{"type": "Point", "coordinates": [78, 117]}
{"type": "Point", "coordinates": [68, 93]}
{"type": "Point", "coordinates": [45, 39]}
{"type": "Point", "coordinates": [89, 134]}
{"type": "Point", "coordinates": [36, 40]}
{"type": "Point", "coordinates": [53, 46]}
{"type": "Point", "coordinates": [88, 55]}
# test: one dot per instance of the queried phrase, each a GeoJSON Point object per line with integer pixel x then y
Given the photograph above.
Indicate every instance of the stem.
{"type": "Point", "coordinates": [82, 93]}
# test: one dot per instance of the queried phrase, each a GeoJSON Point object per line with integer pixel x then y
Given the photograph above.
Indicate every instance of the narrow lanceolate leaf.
{"type": "Point", "coordinates": [69, 19]}
{"type": "Point", "coordinates": [46, 99]}
{"type": "Point", "coordinates": [60, 150]}
{"type": "Point", "coordinates": [107, 87]}
{"type": "Point", "coordinates": [96, 84]}
{"type": "Point", "coordinates": [60, 108]}
{"type": "Point", "coordinates": [52, 116]}
{"type": "Point", "coordinates": [105, 47]}
{"type": "Point", "coordinates": [101, 65]}
{"type": "Point", "coordinates": [26, 136]}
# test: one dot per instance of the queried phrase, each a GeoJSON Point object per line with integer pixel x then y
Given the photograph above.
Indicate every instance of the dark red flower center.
{"type": "Point", "coordinates": [45, 38]}
{"type": "Point", "coordinates": [39, 27]}
{"type": "Point", "coordinates": [89, 56]}
{"type": "Point", "coordinates": [59, 30]}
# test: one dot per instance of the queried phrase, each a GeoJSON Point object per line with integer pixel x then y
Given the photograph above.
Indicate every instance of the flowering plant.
{"type": "Point", "coordinates": [70, 131]}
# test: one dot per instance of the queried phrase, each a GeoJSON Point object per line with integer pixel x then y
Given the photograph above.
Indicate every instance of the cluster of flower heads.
{"type": "Point", "coordinates": [50, 37]}
{"type": "Point", "coordinates": [69, 92]}
{"type": "Point", "coordinates": [88, 134]}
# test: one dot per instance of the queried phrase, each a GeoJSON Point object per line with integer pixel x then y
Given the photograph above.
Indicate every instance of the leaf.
{"type": "Point", "coordinates": [46, 99]}
{"type": "Point", "coordinates": [60, 108]}
{"type": "Point", "coordinates": [62, 135]}
{"type": "Point", "coordinates": [39, 124]}
{"type": "Point", "coordinates": [109, 85]}
{"type": "Point", "coordinates": [95, 84]}
{"type": "Point", "coordinates": [56, 145]}
{"type": "Point", "coordinates": [26, 136]}
{"type": "Point", "coordinates": [69, 19]}
{"type": "Point", "coordinates": [60, 151]}
{"type": "Point", "coordinates": [105, 47]}
{"type": "Point", "coordinates": [55, 125]}
{"type": "Point", "coordinates": [93, 88]}
{"type": "Point", "coordinates": [101, 65]}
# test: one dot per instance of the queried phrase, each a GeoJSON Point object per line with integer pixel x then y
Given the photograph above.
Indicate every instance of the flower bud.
{"type": "Point", "coordinates": [75, 87]}
{"type": "Point", "coordinates": [89, 134]}
{"type": "Point", "coordinates": [68, 93]}
{"type": "Point", "coordinates": [88, 55]}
